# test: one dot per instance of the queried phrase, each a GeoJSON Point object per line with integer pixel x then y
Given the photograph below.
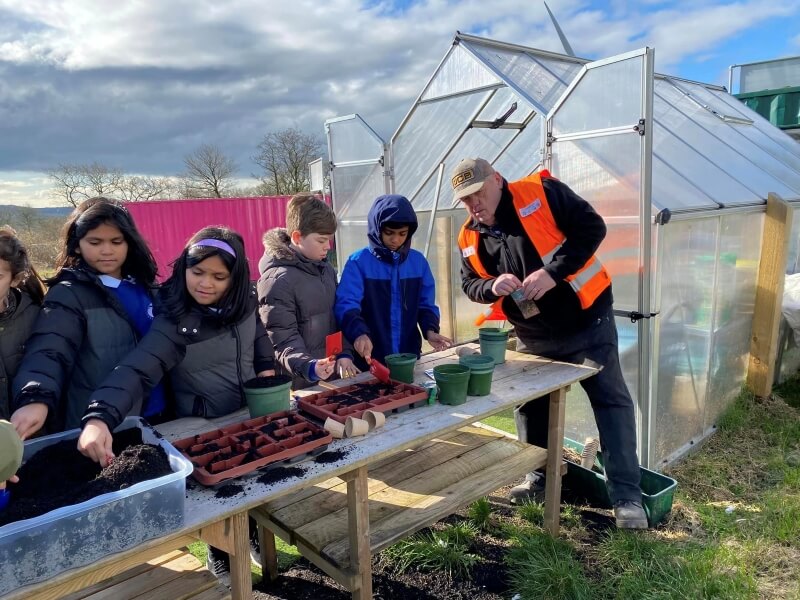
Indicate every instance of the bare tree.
{"type": "Point", "coordinates": [74, 183]}
{"type": "Point", "coordinates": [208, 172]}
{"type": "Point", "coordinates": [284, 156]}
{"type": "Point", "coordinates": [134, 188]}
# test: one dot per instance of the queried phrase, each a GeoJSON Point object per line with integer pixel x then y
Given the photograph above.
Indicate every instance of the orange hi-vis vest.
{"type": "Point", "coordinates": [537, 220]}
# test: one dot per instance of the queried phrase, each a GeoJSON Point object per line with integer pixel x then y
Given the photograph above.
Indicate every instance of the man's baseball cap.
{"type": "Point", "coordinates": [469, 175]}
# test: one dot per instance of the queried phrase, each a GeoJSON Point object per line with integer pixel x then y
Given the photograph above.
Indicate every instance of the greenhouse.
{"type": "Point", "coordinates": [679, 170]}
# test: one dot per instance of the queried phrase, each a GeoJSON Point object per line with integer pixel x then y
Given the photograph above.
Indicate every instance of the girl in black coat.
{"type": "Point", "coordinates": [97, 308]}
{"type": "Point", "coordinates": [206, 335]}
{"type": "Point", "coordinates": [21, 294]}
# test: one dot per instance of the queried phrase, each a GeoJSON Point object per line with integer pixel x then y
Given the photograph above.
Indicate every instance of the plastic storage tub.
{"type": "Point", "coordinates": [585, 484]}
{"type": "Point", "coordinates": [73, 536]}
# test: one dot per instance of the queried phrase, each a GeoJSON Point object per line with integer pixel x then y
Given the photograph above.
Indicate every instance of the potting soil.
{"type": "Point", "coordinates": [231, 489]}
{"type": "Point", "coordinates": [59, 475]}
{"type": "Point", "coordinates": [332, 456]}
{"type": "Point", "coordinates": [279, 474]}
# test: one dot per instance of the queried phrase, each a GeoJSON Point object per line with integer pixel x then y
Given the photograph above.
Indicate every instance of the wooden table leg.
{"type": "Point", "coordinates": [358, 525]}
{"type": "Point", "coordinates": [269, 553]}
{"type": "Point", "coordinates": [241, 582]}
{"type": "Point", "coordinates": [555, 441]}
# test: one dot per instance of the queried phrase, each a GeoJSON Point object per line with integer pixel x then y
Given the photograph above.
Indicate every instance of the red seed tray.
{"type": "Point", "coordinates": [353, 400]}
{"type": "Point", "coordinates": [250, 445]}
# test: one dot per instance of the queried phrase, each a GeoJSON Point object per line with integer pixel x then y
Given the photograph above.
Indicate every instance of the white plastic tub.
{"type": "Point", "coordinates": [73, 536]}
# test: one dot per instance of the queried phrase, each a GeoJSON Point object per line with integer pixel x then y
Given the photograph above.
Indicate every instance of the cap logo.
{"type": "Point", "coordinates": [463, 177]}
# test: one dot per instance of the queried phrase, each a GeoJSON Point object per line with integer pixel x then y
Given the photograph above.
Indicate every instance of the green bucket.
{"type": "Point", "coordinates": [267, 395]}
{"type": "Point", "coordinates": [480, 373]}
{"type": "Point", "coordinates": [401, 366]}
{"type": "Point", "coordinates": [452, 381]}
{"type": "Point", "coordinates": [493, 343]}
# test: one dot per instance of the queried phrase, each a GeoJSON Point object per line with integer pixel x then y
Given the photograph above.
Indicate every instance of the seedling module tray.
{"type": "Point", "coordinates": [251, 445]}
{"type": "Point", "coordinates": [353, 400]}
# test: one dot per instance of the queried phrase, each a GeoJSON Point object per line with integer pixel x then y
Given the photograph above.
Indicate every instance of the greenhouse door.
{"type": "Point", "coordinates": [598, 141]}
{"type": "Point", "coordinates": [357, 177]}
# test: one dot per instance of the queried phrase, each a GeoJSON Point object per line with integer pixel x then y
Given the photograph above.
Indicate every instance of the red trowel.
{"type": "Point", "coordinates": [333, 344]}
{"type": "Point", "coordinates": [379, 370]}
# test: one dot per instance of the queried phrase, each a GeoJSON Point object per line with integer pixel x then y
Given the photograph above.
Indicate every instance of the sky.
{"type": "Point", "coordinates": [140, 85]}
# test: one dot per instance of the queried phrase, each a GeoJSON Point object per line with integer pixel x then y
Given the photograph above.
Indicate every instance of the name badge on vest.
{"type": "Point", "coordinates": [531, 208]}
{"type": "Point", "coordinates": [468, 251]}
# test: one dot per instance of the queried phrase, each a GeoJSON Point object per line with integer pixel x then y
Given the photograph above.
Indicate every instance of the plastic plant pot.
{"type": "Point", "coordinates": [480, 373]}
{"type": "Point", "coordinates": [493, 343]}
{"type": "Point", "coordinates": [401, 366]}
{"type": "Point", "coordinates": [452, 381]}
{"type": "Point", "coordinates": [267, 395]}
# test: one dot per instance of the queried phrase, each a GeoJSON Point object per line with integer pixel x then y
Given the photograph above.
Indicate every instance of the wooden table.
{"type": "Point", "coordinates": [223, 522]}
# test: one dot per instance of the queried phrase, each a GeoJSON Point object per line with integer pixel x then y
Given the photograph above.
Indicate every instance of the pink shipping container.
{"type": "Point", "coordinates": [167, 224]}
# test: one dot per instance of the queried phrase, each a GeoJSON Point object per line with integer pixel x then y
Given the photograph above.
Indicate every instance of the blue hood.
{"type": "Point", "coordinates": [391, 208]}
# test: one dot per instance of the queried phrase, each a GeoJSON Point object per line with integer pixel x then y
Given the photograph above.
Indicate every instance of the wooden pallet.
{"type": "Point", "coordinates": [407, 492]}
{"type": "Point", "coordinates": [175, 576]}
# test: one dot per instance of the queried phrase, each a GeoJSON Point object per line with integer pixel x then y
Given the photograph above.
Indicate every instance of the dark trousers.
{"type": "Point", "coordinates": [609, 396]}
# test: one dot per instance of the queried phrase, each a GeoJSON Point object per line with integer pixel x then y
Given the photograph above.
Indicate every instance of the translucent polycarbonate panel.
{"type": "Point", "coordinates": [579, 422]}
{"type": "Point", "coordinates": [354, 189]}
{"type": "Point", "coordinates": [702, 130]}
{"type": "Point", "coordinates": [723, 143]}
{"type": "Point", "coordinates": [770, 75]}
{"type": "Point", "coordinates": [350, 236]}
{"type": "Point", "coordinates": [734, 299]}
{"type": "Point", "coordinates": [465, 311]}
{"type": "Point", "coordinates": [683, 330]}
{"type": "Point", "coordinates": [459, 72]}
{"type": "Point", "coordinates": [670, 189]}
{"type": "Point", "coordinates": [427, 135]}
{"type": "Point", "coordinates": [606, 96]}
{"type": "Point", "coordinates": [793, 255]}
{"type": "Point", "coordinates": [485, 143]}
{"type": "Point", "coordinates": [352, 140]}
{"type": "Point", "coordinates": [698, 169]}
{"type": "Point", "coordinates": [542, 79]}
{"type": "Point", "coordinates": [501, 102]}
{"type": "Point", "coordinates": [605, 172]}
{"type": "Point", "coordinates": [524, 155]}
{"type": "Point", "coordinates": [788, 359]}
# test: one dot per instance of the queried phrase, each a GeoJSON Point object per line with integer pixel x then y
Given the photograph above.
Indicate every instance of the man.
{"type": "Point", "coordinates": [535, 238]}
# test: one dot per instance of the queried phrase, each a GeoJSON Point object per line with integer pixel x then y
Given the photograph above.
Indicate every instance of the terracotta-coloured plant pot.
{"type": "Point", "coordinates": [336, 428]}
{"type": "Point", "coordinates": [374, 419]}
{"type": "Point", "coordinates": [354, 427]}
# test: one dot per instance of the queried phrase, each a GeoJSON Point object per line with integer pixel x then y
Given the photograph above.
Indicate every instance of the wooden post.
{"type": "Point", "coordinates": [241, 582]}
{"type": "Point", "coordinates": [269, 553]}
{"type": "Point", "coordinates": [358, 524]}
{"type": "Point", "coordinates": [769, 294]}
{"type": "Point", "coordinates": [555, 456]}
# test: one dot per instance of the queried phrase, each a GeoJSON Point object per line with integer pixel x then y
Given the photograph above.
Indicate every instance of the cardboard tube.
{"type": "Point", "coordinates": [374, 419]}
{"type": "Point", "coordinates": [354, 427]}
{"type": "Point", "coordinates": [336, 428]}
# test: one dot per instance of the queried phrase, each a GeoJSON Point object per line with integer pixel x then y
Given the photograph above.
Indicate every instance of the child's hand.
{"type": "Point", "coordinates": [363, 346]}
{"type": "Point", "coordinates": [95, 442]}
{"type": "Point", "coordinates": [29, 419]}
{"type": "Point", "coordinates": [346, 368]}
{"type": "Point", "coordinates": [323, 368]}
{"type": "Point", "coordinates": [266, 373]}
{"type": "Point", "coordinates": [438, 341]}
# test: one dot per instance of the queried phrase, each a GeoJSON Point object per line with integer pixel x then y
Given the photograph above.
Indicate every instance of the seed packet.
{"type": "Point", "coordinates": [528, 308]}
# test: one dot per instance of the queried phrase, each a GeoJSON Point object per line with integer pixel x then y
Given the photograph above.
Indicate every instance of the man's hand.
{"type": "Point", "coordinates": [363, 345]}
{"type": "Point", "coordinates": [345, 368]}
{"type": "Point", "coordinates": [323, 368]}
{"type": "Point", "coordinates": [505, 284]}
{"type": "Point", "coordinates": [95, 442]}
{"type": "Point", "coordinates": [29, 419]}
{"type": "Point", "coordinates": [537, 284]}
{"type": "Point", "coordinates": [438, 341]}
{"type": "Point", "coordinates": [266, 373]}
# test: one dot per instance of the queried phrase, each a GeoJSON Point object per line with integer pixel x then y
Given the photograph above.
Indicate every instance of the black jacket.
{"type": "Point", "coordinates": [505, 248]}
{"type": "Point", "coordinates": [207, 363]}
{"type": "Point", "coordinates": [81, 334]}
{"type": "Point", "coordinates": [15, 327]}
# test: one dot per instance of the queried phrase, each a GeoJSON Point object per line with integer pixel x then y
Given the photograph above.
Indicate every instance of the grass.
{"type": "Point", "coordinates": [445, 551]}
{"type": "Point", "coordinates": [480, 514]}
{"type": "Point", "coordinates": [287, 556]}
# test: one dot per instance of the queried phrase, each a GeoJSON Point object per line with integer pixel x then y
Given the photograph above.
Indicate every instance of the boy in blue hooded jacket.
{"type": "Point", "coordinates": [387, 295]}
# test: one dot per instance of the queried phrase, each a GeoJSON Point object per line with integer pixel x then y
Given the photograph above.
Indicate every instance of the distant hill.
{"type": "Point", "coordinates": [48, 211]}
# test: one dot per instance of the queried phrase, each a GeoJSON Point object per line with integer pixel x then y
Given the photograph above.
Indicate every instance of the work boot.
{"type": "Point", "coordinates": [531, 490]}
{"type": "Point", "coordinates": [630, 515]}
{"type": "Point", "coordinates": [219, 563]}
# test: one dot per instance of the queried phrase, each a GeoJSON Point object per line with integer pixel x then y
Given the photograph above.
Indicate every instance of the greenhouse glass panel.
{"type": "Point", "coordinates": [672, 190]}
{"type": "Point", "coordinates": [687, 271]}
{"type": "Point", "coordinates": [698, 169]}
{"type": "Point", "coordinates": [350, 236]}
{"type": "Point", "coordinates": [352, 140]}
{"type": "Point", "coordinates": [355, 187]}
{"type": "Point", "coordinates": [428, 134]}
{"type": "Point", "coordinates": [524, 155]}
{"type": "Point", "coordinates": [725, 142]}
{"type": "Point", "coordinates": [501, 102]}
{"type": "Point", "coordinates": [735, 296]}
{"type": "Point", "coordinates": [459, 72]}
{"type": "Point", "coordinates": [699, 128]}
{"type": "Point", "coordinates": [617, 87]}
{"type": "Point", "coordinates": [543, 79]}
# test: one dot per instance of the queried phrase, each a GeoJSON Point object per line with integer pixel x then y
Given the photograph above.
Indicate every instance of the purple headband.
{"type": "Point", "coordinates": [216, 244]}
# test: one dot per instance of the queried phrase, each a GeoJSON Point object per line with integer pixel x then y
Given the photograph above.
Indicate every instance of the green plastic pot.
{"type": "Point", "coordinates": [480, 373]}
{"type": "Point", "coordinates": [401, 366]}
{"type": "Point", "coordinates": [452, 381]}
{"type": "Point", "coordinates": [267, 395]}
{"type": "Point", "coordinates": [493, 343]}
